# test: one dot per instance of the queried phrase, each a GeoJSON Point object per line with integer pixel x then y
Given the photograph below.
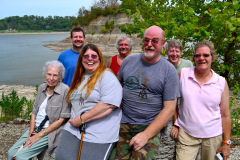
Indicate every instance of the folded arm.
{"type": "Point", "coordinates": [98, 111]}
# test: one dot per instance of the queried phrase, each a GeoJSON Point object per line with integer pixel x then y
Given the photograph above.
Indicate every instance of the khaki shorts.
{"type": "Point", "coordinates": [188, 146]}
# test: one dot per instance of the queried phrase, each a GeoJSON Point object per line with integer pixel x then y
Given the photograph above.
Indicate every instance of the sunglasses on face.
{"type": "Point", "coordinates": [93, 56]}
{"type": "Point", "coordinates": [199, 55]}
{"type": "Point", "coordinates": [153, 41]}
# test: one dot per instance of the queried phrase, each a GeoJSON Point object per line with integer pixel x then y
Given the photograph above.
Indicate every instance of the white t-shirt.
{"type": "Point", "coordinates": [42, 113]}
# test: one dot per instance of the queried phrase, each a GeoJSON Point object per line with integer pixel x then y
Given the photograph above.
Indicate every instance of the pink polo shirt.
{"type": "Point", "coordinates": [199, 111]}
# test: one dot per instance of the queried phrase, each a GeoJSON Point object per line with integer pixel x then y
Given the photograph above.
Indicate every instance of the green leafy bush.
{"type": "Point", "coordinates": [28, 110]}
{"type": "Point", "coordinates": [12, 106]}
{"type": "Point", "coordinates": [104, 30]}
{"type": "Point", "coordinates": [235, 111]}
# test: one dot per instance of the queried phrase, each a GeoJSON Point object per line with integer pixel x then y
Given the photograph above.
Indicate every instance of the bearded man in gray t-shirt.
{"type": "Point", "coordinates": [150, 92]}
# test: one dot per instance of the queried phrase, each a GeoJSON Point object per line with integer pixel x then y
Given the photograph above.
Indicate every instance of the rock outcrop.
{"type": "Point", "coordinates": [105, 41]}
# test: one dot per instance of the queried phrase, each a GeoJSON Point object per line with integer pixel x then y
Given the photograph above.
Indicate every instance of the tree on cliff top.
{"type": "Point", "coordinates": [193, 21]}
{"type": "Point", "coordinates": [99, 8]}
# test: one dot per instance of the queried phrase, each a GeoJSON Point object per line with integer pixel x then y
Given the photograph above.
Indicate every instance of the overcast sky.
{"type": "Point", "coordinates": [42, 7]}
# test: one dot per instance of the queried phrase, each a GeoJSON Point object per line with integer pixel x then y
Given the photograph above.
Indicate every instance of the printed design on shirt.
{"type": "Point", "coordinates": [78, 98]}
{"type": "Point", "coordinates": [132, 83]}
{"type": "Point", "coordinates": [138, 83]}
{"type": "Point", "coordinates": [81, 101]}
{"type": "Point", "coordinates": [73, 95]}
{"type": "Point", "coordinates": [143, 94]}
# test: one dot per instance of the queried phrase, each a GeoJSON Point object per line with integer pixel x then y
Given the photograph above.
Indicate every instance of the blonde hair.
{"type": "Point", "coordinates": [80, 70]}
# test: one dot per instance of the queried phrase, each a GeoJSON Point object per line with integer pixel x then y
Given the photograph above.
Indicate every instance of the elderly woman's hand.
{"type": "Point", "coordinates": [75, 121]}
{"type": "Point", "coordinates": [31, 140]}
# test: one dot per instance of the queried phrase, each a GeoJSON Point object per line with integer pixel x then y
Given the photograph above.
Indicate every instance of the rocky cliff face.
{"type": "Point", "coordinates": [105, 41]}
{"type": "Point", "coordinates": [96, 24]}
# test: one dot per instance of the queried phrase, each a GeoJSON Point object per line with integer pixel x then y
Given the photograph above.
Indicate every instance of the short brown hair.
{"type": "Point", "coordinates": [77, 29]}
{"type": "Point", "coordinates": [174, 43]}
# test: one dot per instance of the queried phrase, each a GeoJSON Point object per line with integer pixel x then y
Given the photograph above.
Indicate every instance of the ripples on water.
{"type": "Point", "coordinates": [23, 56]}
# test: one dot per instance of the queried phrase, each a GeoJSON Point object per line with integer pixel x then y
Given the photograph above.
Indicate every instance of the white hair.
{"type": "Point", "coordinates": [56, 64]}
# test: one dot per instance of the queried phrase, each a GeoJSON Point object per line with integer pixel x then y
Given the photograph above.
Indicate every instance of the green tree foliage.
{"type": "Point", "coordinates": [193, 21]}
{"type": "Point", "coordinates": [235, 110]}
{"type": "Point", "coordinates": [109, 26]}
{"type": "Point", "coordinates": [36, 23]}
{"type": "Point", "coordinates": [100, 8]}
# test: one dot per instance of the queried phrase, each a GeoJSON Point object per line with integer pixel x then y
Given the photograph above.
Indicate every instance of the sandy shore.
{"type": "Point", "coordinates": [27, 91]}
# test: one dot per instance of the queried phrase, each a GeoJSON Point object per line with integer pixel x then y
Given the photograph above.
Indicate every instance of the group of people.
{"type": "Point", "coordinates": [98, 111]}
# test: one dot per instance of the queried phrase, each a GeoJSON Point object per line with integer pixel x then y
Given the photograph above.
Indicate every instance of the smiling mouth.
{"type": "Point", "coordinates": [149, 49]}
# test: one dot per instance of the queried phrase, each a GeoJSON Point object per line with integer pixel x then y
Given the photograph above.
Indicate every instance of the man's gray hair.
{"type": "Point", "coordinates": [56, 64]}
{"type": "Point", "coordinates": [123, 37]}
{"type": "Point", "coordinates": [174, 43]}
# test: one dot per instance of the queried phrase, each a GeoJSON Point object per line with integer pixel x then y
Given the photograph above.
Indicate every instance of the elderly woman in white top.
{"type": "Point", "coordinates": [50, 101]}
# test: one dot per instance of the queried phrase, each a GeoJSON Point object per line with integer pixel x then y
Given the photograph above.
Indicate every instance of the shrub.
{"type": "Point", "coordinates": [12, 106]}
{"type": "Point", "coordinates": [235, 111]}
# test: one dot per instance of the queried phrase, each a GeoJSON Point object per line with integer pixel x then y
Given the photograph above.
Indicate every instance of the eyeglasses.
{"type": "Point", "coordinates": [93, 56]}
{"type": "Point", "coordinates": [199, 55]}
{"type": "Point", "coordinates": [153, 41]}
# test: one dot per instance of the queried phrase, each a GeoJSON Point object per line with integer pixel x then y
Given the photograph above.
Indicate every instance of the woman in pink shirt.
{"type": "Point", "coordinates": [203, 117]}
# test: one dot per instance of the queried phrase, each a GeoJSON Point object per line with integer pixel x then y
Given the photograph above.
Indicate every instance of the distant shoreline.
{"type": "Point", "coordinates": [21, 33]}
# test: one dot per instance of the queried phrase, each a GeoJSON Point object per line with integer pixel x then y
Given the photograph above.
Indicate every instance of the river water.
{"type": "Point", "coordinates": [22, 57]}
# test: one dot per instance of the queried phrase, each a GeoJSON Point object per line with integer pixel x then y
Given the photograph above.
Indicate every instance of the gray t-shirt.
{"type": "Point", "coordinates": [145, 88]}
{"type": "Point", "coordinates": [107, 90]}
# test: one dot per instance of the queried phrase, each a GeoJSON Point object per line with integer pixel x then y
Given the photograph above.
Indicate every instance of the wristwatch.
{"type": "Point", "coordinates": [229, 142]}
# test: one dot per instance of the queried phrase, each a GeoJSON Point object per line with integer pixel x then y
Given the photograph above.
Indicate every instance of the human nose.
{"type": "Point", "coordinates": [174, 52]}
{"type": "Point", "coordinates": [90, 57]}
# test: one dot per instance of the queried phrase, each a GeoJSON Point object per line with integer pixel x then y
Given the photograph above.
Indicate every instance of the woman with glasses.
{"type": "Point", "coordinates": [95, 95]}
{"type": "Point", "coordinates": [203, 116]}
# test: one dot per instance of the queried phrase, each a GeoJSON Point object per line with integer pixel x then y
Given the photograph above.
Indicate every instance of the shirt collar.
{"type": "Point", "coordinates": [213, 79]}
{"type": "Point", "coordinates": [57, 89]}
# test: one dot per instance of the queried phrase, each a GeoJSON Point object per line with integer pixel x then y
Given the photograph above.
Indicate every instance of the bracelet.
{"type": "Point", "coordinates": [45, 133]}
{"type": "Point", "coordinates": [81, 120]}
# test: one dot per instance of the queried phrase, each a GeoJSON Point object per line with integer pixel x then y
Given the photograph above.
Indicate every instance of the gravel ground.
{"type": "Point", "coordinates": [9, 133]}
